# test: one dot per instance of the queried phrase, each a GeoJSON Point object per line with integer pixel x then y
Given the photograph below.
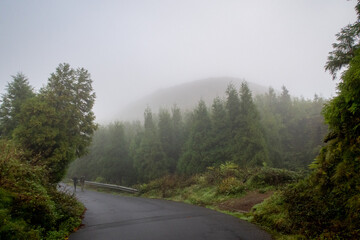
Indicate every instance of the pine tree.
{"type": "Point", "coordinates": [178, 133]}
{"type": "Point", "coordinates": [252, 150]}
{"type": "Point", "coordinates": [196, 156]}
{"type": "Point", "coordinates": [18, 92]}
{"type": "Point", "coordinates": [220, 142]}
{"type": "Point", "coordinates": [150, 160]}
{"type": "Point", "coordinates": [166, 135]}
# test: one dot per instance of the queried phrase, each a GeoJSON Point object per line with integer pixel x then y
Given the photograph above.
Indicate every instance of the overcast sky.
{"type": "Point", "coordinates": [134, 47]}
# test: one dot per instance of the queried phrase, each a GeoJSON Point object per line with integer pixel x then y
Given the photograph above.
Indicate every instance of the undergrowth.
{"type": "Point", "coordinates": [30, 207]}
{"type": "Point", "coordinates": [229, 181]}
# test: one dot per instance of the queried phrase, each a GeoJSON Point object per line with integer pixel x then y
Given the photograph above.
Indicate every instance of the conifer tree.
{"type": "Point", "coordinates": [178, 133]}
{"type": "Point", "coordinates": [18, 92]}
{"type": "Point", "coordinates": [150, 160]}
{"type": "Point", "coordinates": [196, 156]}
{"type": "Point", "coordinates": [252, 150]}
{"type": "Point", "coordinates": [166, 135]}
{"type": "Point", "coordinates": [220, 142]}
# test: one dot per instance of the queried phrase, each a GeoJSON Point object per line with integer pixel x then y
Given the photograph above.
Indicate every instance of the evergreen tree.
{"type": "Point", "coordinates": [57, 126]}
{"type": "Point", "coordinates": [272, 125]}
{"type": "Point", "coordinates": [252, 150]}
{"type": "Point", "coordinates": [166, 135]}
{"type": "Point", "coordinates": [18, 92]}
{"type": "Point", "coordinates": [196, 156]}
{"type": "Point", "coordinates": [178, 133]}
{"type": "Point", "coordinates": [150, 160]}
{"type": "Point", "coordinates": [220, 151]}
{"type": "Point", "coordinates": [233, 109]}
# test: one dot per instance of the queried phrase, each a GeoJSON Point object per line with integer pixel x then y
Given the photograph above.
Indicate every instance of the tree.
{"type": "Point", "coordinates": [348, 41]}
{"type": "Point", "coordinates": [178, 133]}
{"type": "Point", "coordinates": [220, 142]}
{"type": "Point", "coordinates": [196, 156]}
{"type": "Point", "coordinates": [58, 124]}
{"type": "Point", "coordinates": [327, 203]}
{"type": "Point", "coordinates": [18, 92]}
{"type": "Point", "coordinates": [149, 158]}
{"type": "Point", "coordinates": [233, 108]}
{"type": "Point", "coordinates": [251, 145]}
{"type": "Point", "coordinates": [166, 135]}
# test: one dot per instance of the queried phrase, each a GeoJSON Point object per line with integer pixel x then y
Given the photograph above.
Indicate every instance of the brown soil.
{"type": "Point", "coordinates": [245, 203]}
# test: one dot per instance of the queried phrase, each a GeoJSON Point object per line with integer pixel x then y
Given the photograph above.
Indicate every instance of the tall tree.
{"type": "Point", "coordinates": [166, 135]}
{"type": "Point", "coordinates": [251, 150]}
{"type": "Point", "coordinates": [196, 156]}
{"type": "Point", "coordinates": [150, 161]}
{"type": "Point", "coordinates": [18, 92]}
{"type": "Point", "coordinates": [178, 133]}
{"type": "Point", "coordinates": [220, 142]}
{"type": "Point", "coordinates": [233, 108]}
{"type": "Point", "coordinates": [57, 125]}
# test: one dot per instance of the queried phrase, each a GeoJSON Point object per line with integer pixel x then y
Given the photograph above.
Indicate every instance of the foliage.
{"type": "Point", "coordinates": [326, 204]}
{"type": "Point", "coordinates": [29, 207]}
{"type": "Point", "coordinates": [230, 185]}
{"type": "Point", "coordinates": [57, 125]}
{"type": "Point", "coordinates": [41, 133]}
{"type": "Point", "coordinates": [17, 93]}
{"type": "Point", "coordinates": [196, 156]}
{"type": "Point", "coordinates": [273, 177]}
{"type": "Point", "coordinates": [150, 159]}
{"type": "Point", "coordinates": [271, 130]}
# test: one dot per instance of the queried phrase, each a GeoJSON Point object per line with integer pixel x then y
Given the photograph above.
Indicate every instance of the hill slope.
{"type": "Point", "coordinates": [185, 96]}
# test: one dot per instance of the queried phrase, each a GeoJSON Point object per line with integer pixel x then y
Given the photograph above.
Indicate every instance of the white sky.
{"type": "Point", "coordinates": [134, 47]}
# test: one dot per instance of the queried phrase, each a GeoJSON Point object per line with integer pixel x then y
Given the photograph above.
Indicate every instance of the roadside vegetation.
{"type": "Point", "coordinates": [215, 156]}
{"type": "Point", "coordinates": [40, 134]}
{"type": "Point", "coordinates": [216, 186]}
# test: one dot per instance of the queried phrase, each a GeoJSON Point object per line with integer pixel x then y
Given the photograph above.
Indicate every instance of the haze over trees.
{"type": "Point", "coordinates": [268, 130]}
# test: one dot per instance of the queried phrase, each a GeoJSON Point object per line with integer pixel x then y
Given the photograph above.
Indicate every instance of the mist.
{"type": "Point", "coordinates": [133, 48]}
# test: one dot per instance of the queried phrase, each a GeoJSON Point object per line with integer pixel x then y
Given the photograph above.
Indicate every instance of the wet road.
{"type": "Point", "coordinates": [118, 217]}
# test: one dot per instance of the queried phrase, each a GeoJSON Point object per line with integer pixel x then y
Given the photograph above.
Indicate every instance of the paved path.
{"type": "Point", "coordinates": [111, 216]}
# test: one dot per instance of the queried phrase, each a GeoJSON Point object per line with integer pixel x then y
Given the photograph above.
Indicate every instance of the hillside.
{"type": "Point", "coordinates": [185, 96]}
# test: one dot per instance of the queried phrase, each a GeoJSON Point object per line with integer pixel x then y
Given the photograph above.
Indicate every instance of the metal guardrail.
{"type": "Point", "coordinates": [111, 186]}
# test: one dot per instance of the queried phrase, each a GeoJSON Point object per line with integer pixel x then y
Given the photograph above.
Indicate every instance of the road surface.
{"type": "Point", "coordinates": [111, 216]}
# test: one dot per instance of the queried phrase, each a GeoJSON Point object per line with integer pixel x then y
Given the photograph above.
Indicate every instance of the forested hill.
{"type": "Point", "coordinates": [186, 96]}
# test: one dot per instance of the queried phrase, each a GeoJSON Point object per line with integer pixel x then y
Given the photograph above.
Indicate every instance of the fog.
{"type": "Point", "coordinates": [134, 47]}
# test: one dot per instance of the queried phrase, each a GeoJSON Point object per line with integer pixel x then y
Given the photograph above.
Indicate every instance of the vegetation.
{"type": "Point", "coordinates": [229, 149]}
{"type": "Point", "coordinates": [270, 130]}
{"type": "Point", "coordinates": [40, 134]}
{"type": "Point", "coordinates": [218, 184]}
{"type": "Point", "coordinates": [326, 205]}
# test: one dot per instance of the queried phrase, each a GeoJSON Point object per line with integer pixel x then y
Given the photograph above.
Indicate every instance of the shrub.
{"type": "Point", "coordinates": [30, 208]}
{"type": "Point", "coordinates": [273, 177]}
{"type": "Point", "coordinates": [230, 185]}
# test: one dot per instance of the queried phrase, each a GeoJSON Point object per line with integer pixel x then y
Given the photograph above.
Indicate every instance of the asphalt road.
{"type": "Point", "coordinates": [111, 216]}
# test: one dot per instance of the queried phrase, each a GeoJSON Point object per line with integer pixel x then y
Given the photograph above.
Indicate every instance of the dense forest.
{"type": "Point", "coordinates": [40, 134]}
{"type": "Point", "coordinates": [272, 129]}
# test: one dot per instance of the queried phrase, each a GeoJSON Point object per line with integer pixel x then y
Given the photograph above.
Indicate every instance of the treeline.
{"type": "Point", "coordinates": [40, 134]}
{"type": "Point", "coordinates": [273, 129]}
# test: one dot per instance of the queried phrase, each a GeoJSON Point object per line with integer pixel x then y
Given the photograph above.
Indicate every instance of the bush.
{"type": "Point", "coordinates": [272, 214]}
{"type": "Point", "coordinates": [272, 177]}
{"type": "Point", "coordinates": [30, 208]}
{"type": "Point", "coordinates": [230, 185]}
